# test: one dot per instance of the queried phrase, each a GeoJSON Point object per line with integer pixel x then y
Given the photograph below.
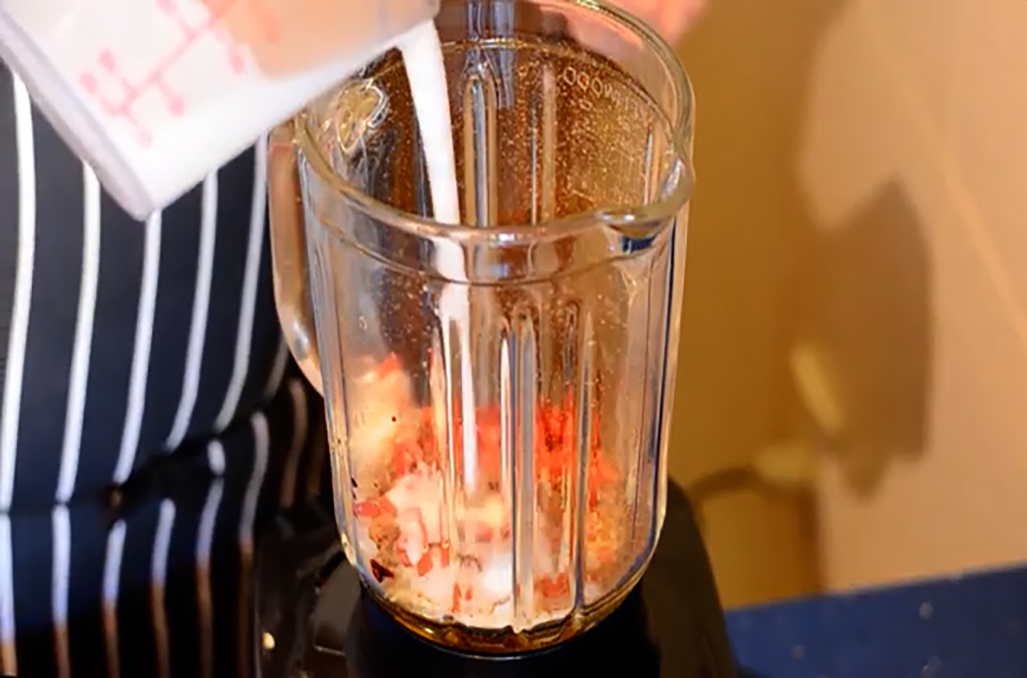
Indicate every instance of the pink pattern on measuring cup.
{"type": "Point", "coordinates": [108, 72]}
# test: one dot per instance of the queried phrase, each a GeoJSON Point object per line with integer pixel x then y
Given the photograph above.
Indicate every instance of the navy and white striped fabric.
{"type": "Point", "coordinates": [145, 357]}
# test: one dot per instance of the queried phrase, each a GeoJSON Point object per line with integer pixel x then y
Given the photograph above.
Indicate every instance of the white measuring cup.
{"type": "Point", "coordinates": [154, 94]}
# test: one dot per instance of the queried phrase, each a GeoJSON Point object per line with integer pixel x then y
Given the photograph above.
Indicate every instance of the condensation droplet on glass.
{"type": "Point", "coordinates": [362, 323]}
{"type": "Point", "coordinates": [926, 611]}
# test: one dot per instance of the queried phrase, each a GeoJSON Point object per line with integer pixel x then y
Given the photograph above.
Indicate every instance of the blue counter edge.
{"type": "Point", "coordinates": [973, 625]}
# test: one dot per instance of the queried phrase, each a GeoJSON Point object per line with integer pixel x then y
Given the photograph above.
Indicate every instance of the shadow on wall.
{"type": "Point", "coordinates": [862, 359]}
{"type": "Point", "coordinates": [794, 332]}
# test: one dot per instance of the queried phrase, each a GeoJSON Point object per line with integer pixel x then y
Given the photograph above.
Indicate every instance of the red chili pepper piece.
{"type": "Point", "coordinates": [483, 533]}
{"type": "Point", "coordinates": [490, 442]}
{"type": "Point", "coordinates": [554, 587]}
{"type": "Point", "coordinates": [443, 554]}
{"type": "Point", "coordinates": [372, 508]}
{"type": "Point", "coordinates": [424, 565]}
{"type": "Point", "coordinates": [456, 599]}
{"type": "Point", "coordinates": [386, 506]}
{"type": "Point", "coordinates": [389, 365]}
{"type": "Point", "coordinates": [367, 509]}
{"type": "Point", "coordinates": [404, 457]}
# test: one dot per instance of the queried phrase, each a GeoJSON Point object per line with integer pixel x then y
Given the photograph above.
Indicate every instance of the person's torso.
{"type": "Point", "coordinates": [120, 339]}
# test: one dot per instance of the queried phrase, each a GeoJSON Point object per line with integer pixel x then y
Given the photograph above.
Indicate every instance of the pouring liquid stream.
{"type": "Point", "coordinates": [422, 55]}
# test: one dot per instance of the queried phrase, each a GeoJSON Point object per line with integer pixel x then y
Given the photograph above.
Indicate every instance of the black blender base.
{"type": "Point", "coordinates": [315, 620]}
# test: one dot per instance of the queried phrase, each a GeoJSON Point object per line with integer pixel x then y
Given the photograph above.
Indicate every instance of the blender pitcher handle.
{"type": "Point", "coordinates": [289, 253]}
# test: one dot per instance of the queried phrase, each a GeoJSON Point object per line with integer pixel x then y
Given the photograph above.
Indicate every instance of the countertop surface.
{"type": "Point", "coordinates": [973, 625]}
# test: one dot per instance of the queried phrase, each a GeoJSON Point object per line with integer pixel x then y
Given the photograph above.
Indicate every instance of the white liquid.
{"type": "Point", "coordinates": [426, 71]}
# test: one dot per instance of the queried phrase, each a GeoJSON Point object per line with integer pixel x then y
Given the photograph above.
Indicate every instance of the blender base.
{"type": "Point", "coordinates": [314, 618]}
{"type": "Point", "coordinates": [486, 644]}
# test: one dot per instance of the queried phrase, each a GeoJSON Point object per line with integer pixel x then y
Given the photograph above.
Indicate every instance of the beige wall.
{"type": "Point", "coordinates": [861, 167]}
{"type": "Point", "coordinates": [748, 223]}
{"type": "Point", "coordinates": [926, 101]}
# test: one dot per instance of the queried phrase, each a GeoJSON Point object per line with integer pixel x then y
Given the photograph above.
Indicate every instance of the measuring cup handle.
{"type": "Point", "coordinates": [289, 254]}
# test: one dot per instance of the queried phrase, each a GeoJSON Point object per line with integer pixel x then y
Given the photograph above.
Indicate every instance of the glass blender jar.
{"type": "Point", "coordinates": [498, 391]}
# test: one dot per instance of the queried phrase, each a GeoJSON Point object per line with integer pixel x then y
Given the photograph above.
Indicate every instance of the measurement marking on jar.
{"type": "Point", "coordinates": [107, 72]}
{"type": "Point", "coordinates": [598, 88]}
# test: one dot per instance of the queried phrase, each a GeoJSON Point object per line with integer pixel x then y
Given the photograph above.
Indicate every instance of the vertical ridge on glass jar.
{"type": "Point", "coordinates": [638, 488]}
{"type": "Point", "coordinates": [441, 437]}
{"type": "Point", "coordinates": [507, 433]}
{"type": "Point", "coordinates": [543, 149]}
{"type": "Point", "coordinates": [461, 418]}
{"type": "Point", "coordinates": [648, 188]}
{"type": "Point", "coordinates": [322, 292]}
{"type": "Point", "coordinates": [636, 477]}
{"type": "Point", "coordinates": [584, 409]}
{"type": "Point", "coordinates": [521, 384]}
{"type": "Point", "coordinates": [481, 140]}
{"type": "Point", "coordinates": [667, 366]}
